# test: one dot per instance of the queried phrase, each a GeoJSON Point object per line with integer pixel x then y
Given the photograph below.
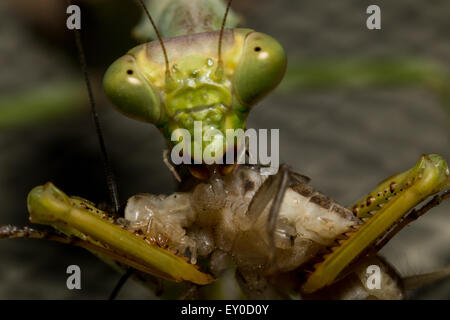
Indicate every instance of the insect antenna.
{"type": "Point", "coordinates": [219, 53]}
{"type": "Point", "coordinates": [166, 59]}
{"type": "Point", "coordinates": [110, 178]}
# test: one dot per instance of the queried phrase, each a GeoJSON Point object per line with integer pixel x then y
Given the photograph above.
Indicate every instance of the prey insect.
{"type": "Point", "coordinates": [280, 235]}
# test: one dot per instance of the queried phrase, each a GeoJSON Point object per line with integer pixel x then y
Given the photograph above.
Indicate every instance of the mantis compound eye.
{"type": "Point", "coordinates": [130, 91]}
{"type": "Point", "coordinates": [260, 69]}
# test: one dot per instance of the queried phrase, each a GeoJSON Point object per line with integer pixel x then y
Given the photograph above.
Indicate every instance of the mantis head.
{"type": "Point", "coordinates": [197, 84]}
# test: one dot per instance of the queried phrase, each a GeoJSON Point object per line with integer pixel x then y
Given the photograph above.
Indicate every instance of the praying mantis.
{"type": "Point", "coordinates": [49, 205]}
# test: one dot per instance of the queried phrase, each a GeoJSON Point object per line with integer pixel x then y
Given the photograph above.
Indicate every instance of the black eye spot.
{"type": "Point", "coordinates": [257, 49]}
{"type": "Point", "coordinates": [130, 72]}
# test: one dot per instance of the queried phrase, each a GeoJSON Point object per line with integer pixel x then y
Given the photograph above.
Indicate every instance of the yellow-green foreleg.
{"type": "Point", "coordinates": [77, 218]}
{"type": "Point", "coordinates": [387, 204]}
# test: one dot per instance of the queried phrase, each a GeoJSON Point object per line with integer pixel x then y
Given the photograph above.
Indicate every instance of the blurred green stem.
{"type": "Point", "coordinates": [357, 74]}
{"type": "Point", "coordinates": [41, 103]}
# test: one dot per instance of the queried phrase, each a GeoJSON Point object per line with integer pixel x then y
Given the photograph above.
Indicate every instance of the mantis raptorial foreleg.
{"type": "Point", "coordinates": [110, 257]}
{"type": "Point", "coordinates": [77, 218]}
{"type": "Point", "coordinates": [380, 210]}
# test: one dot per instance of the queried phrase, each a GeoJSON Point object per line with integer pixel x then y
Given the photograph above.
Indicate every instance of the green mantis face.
{"type": "Point", "coordinates": [197, 87]}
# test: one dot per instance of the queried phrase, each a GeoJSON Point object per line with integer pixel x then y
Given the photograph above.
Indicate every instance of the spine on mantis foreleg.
{"type": "Point", "coordinates": [180, 17]}
{"type": "Point", "coordinates": [387, 189]}
{"type": "Point", "coordinates": [388, 203]}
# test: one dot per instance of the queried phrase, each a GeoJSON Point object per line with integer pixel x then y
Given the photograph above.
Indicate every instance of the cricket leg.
{"type": "Point", "coordinates": [273, 189]}
{"type": "Point", "coordinates": [123, 279]}
{"type": "Point", "coordinates": [13, 232]}
{"type": "Point", "coordinates": [170, 166]}
{"type": "Point", "coordinates": [256, 286]}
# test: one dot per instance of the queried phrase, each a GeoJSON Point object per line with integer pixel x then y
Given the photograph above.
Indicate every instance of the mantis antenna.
{"type": "Point", "coordinates": [110, 179]}
{"type": "Point", "coordinates": [166, 59]}
{"type": "Point", "coordinates": [219, 54]}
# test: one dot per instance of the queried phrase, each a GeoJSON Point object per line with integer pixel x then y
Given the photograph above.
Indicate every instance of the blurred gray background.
{"type": "Point", "coordinates": [347, 139]}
